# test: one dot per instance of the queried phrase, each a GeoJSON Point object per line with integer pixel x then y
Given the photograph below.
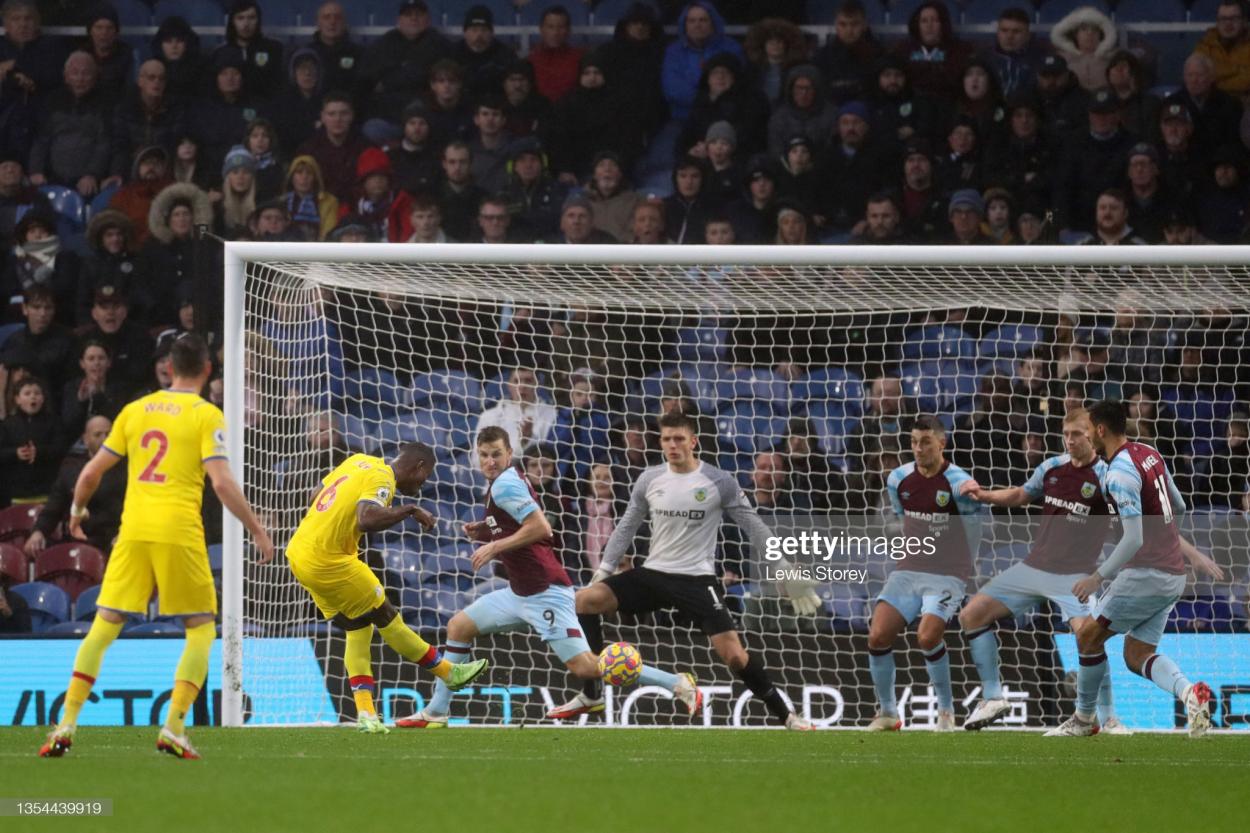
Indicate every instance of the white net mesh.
{"type": "Point", "coordinates": [802, 377]}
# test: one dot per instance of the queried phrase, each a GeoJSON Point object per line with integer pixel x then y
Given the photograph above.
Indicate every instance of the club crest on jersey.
{"type": "Point", "coordinates": [943, 498]}
{"type": "Point", "coordinates": [491, 522]}
{"type": "Point", "coordinates": [1087, 490]}
{"type": "Point", "coordinates": [384, 494]}
{"type": "Point", "coordinates": [262, 58]}
{"type": "Point", "coordinates": [700, 495]}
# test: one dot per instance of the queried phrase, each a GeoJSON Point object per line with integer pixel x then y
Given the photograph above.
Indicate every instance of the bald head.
{"type": "Point", "coordinates": [95, 432]}
{"type": "Point", "coordinates": [80, 73]}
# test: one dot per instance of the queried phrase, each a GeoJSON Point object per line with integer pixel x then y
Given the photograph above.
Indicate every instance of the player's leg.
{"type": "Point", "coordinates": [127, 587]}
{"type": "Point", "coordinates": [898, 604]}
{"type": "Point", "coordinates": [1010, 593]}
{"type": "Point", "coordinates": [358, 660]}
{"type": "Point", "coordinates": [939, 602]}
{"type": "Point", "coordinates": [1108, 721]}
{"type": "Point", "coordinates": [1091, 639]}
{"type": "Point", "coordinates": [750, 669]}
{"type": "Point", "coordinates": [408, 644]}
{"type": "Point", "coordinates": [592, 602]}
{"type": "Point", "coordinates": [1140, 654]}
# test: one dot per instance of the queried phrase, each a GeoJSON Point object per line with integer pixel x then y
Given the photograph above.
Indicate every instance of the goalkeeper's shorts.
{"type": "Point", "coordinates": [342, 585]}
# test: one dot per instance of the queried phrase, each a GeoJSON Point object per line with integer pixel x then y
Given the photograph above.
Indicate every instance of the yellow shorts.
{"type": "Point", "coordinates": [343, 585]}
{"type": "Point", "coordinates": [180, 574]}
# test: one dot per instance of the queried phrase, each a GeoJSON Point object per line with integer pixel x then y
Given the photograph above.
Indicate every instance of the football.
{"type": "Point", "coordinates": [620, 664]}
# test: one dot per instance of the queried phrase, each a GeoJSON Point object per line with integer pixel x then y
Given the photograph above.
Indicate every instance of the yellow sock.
{"type": "Point", "coordinates": [409, 645]}
{"type": "Point", "coordinates": [87, 666]}
{"type": "Point", "coordinates": [356, 656]}
{"type": "Point", "coordinates": [189, 676]}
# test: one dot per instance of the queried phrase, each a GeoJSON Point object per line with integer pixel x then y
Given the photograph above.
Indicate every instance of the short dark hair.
{"type": "Point", "coordinates": [336, 97]}
{"type": "Point", "coordinates": [717, 216]}
{"type": "Point", "coordinates": [1015, 13]}
{"type": "Point", "coordinates": [884, 196]}
{"type": "Point", "coordinates": [928, 422]}
{"type": "Point", "coordinates": [494, 434]}
{"type": "Point", "coordinates": [491, 101]}
{"type": "Point", "coordinates": [188, 354]}
{"type": "Point", "coordinates": [1111, 413]}
{"type": "Point", "coordinates": [418, 452]}
{"type": "Point", "coordinates": [556, 10]}
{"type": "Point", "coordinates": [38, 292]}
{"type": "Point", "coordinates": [678, 419]}
{"type": "Point", "coordinates": [851, 8]}
{"type": "Point", "coordinates": [1116, 194]}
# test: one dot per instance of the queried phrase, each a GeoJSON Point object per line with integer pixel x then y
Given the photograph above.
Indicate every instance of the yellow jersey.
{"type": "Point", "coordinates": [329, 531]}
{"type": "Point", "coordinates": [166, 437]}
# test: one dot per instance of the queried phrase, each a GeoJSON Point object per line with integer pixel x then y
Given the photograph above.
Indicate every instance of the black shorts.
{"type": "Point", "coordinates": [697, 597]}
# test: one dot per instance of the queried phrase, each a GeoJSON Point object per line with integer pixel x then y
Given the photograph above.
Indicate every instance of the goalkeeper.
{"type": "Point", "coordinates": [685, 500]}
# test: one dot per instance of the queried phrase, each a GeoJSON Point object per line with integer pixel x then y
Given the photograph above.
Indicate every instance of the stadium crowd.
{"type": "Point", "coordinates": [112, 155]}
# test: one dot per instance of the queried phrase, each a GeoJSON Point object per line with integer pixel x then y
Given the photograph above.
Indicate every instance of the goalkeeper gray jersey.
{"type": "Point", "coordinates": [685, 511]}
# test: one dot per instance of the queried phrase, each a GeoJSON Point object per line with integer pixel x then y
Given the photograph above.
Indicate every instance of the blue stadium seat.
{"type": "Point", "coordinates": [1205, 410]}
{"type": "Point", "coordinates": [378, 387]}
{"type": "Point", "coordinates": [450, 560]}
{"type": "Point", "coordinates": [360, 434]}
{"type": "Point", "coordinates": [994, 561]}
{"type": "Point", "coordinates": [84, 605]}
{"type": "Point", "coordinates": [157, 628]}
{"type": "Point", "coordinates": [703, 382]}
{"type": "Point", "coordinates": [1207, 614]}
{"type": "Point", "coordinates": [490, 585]}
{"type": "Point", "coordinates": [69, 628]}
{"type": "Point", "coordinates": [940, 386]}
{"type": "Point", "coordinates": [750, 427]}
{"type": "Point", "coordinates": [701, 344]}
{"type": "Point", "coordinates": [451, 582]}
{"type": "Point", "coordinates": [196, 12]}
{"type": "Point", "coordinates": [70, 209]}
{"type": "Point", "coordinates": [831, 384]}
{"type": "Point", "coordinates": [832, 426]}
{"type": "Point", "coordinates": [7, 330]}
{"type": "Point", "coordinates": [101, 201]}
{"type": "Point", "coordinates": [848, 606]}
{"type": "Point", "coordinates": [406, 564]}
{"type": "Point", "coordinates": [1004, 345]}
{"type": "Point", "coordinates": [414, 426]}
{"type": "Point", "coordinates": [48, 603]}
{"type": "Point", "coordinates": [214, 557]}
{"type": "Point", "coordinates": [448, 389]}
{"type": "Point", "coordinates": [756, 385]}
{"type": "Point", "coordinates": [938, 342]}
{"type": "Point", "coordinates": [134, 13]}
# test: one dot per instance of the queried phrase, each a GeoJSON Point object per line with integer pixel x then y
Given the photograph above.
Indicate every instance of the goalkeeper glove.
{"type": "Point", "coordinates": [802, 597]}
{"type": "Point", "coordinates": [600, 575]}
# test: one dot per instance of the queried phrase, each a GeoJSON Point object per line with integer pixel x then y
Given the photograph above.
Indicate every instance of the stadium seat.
{"type": "Point", "coordinates": [7, 330]}
{"type": "Point", "coordinates": [84, 605]}
{"type": "Point", "coordinates": [14, 565]}
{"type": "Point", "coordinates": [453, 390]}
{"type": "Point", "coordinates": [938, 342]}
{"type": "Point", "coordinates": [848, 606]}
{"type": "Point", "coordinates": [48, 603]}
{"type": "Point", "coordinates": [377, 391]}
{"type": "Point", "coordinates": [450, 560]}
{"type": "Point", "coordinates": [68, 205]}
{"type": "Point", "coordinates": [831, 384]}
{"type": "Point", "coordinates": [452, 582]}
{"type": "Point", "coordinates": [68, 629]}
{"type": "Point", "coordinates": [406, 564]}
{"type": "Point", "coordinates": [1205, 410]}
{"type": "Point", "coordinates": [994, 561]}
{"type": "Point", "coordinates": [750, 427]}
{"type": "Point", "coordinates": [199, 13]}
{"type": "Point", "coordinates": [1207, 614]}
{"type": "Point", "coordinates": [1001, 347]}
{"type": "Point", "coordinates": [701, 344]}
{"type": "Point", "coordinates": [755, 385]}
{"type": "Point", "coordinates": [360, 434]}
{"type": "Point", "coordinates": [703, 384]}
{"type": "Point", "coordinates": [71, 566]}
{"type": "Point", "coordinates": [157, 628]}
{"type": "Point", "coordinates": [214, 557]}
{"type": "Point", "coordinates": [17, 521]}
{"type": "Point", "coordinates": [831, 426]}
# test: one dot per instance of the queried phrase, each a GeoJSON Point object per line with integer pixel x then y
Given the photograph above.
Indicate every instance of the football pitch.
{"type": "Point", "coordinates": [678, 781]}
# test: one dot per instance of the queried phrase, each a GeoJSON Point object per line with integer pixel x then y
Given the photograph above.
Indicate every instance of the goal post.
{"type": "Point", "coordinates": [336, 348]}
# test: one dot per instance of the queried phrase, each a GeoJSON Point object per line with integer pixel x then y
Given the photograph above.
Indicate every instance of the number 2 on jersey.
{"type": "Point", "coordinates": [150, 473]}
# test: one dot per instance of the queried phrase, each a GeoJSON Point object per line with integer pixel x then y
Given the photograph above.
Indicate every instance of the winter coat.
{"type": "Point", "coordinates": [849, 70]}
{"type": "Point", "coordinates": [587, 122]}
{"type": "Point", "coordinates": [294, 115]}
{"type": "Point", "coordinates": [327, 203]}
{"type": "Point", "coordinates": [29, 480]}
{"type": "Point", "coordinates": [614, 214]}
{"type": "Point", "coordinates": [336, 163]}
{"type": "Point", "coordinates": [74, 138]}
{"type": "Point", "coordinates": [1090, 69]}
{"type": "Point", "coordinates": [396, 70]}
{"type": "Point", "coordinates": [184, 78]}
{"type": "Point", "coordinates": [217, 126]}
{"type": "Point", "coordinates": [938, 70]}
{"type": "Point", "coordinates": [744, 106]}
{"type": "Point", "coordinates": [683, 61]}
{"type": "Point", "coordinates": [640, 62]}
{"type": "Point", "coordinates": [535, 210]}
{"type": "Point", "coordinates": [342, 63]}
{"type": "Point", "coordinates": [816, 122]}
{"type": "Point", "coordinates": [48, 263]}
{"type": "Point", "coordinates": [261, 59]}
{"type": "Point", "coordinates": [126, 270]}
{"type": "Point", "coordinates": [134, 128]}
{"type": "Point", "coordinates": [169, 258]}
{"type": "Point", "coordinates": [50, 355]}
{"type": "Point", "coordinates": [1232, 62]}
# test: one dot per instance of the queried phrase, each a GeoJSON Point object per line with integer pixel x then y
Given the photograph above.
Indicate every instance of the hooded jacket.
{"type": "Point", "coordinates": [327, 203]}
{"type": "Point", "coordinates": [935, 70]}
{"type": "Point", "coordinates": [1232, 61]}
{"type": "Point", "coordinates": [640, 62]}
{"type": "Point", "coordinates": [588, 121]}
{"type": "Point", "coordinates": [743, 105]}
{"type": "Point", "coordinates": [262, 58]}
{"type": "Point", "coordinates": [683, 60]}
{"type": "Point", "coordinates": [293, 114]}
{"type": "Point", "coordinates": [169, 258]}
{"type": "Point", "coordinates": [184, 78]}
{"type": "Point", "coordinates": [847, 69]}
{"type": "Point", "coordinates": [1090, 69]}
{"type": "Point", "coordinates": [125, 270]}
{"type": "Point", "coordinates": [815, 122]}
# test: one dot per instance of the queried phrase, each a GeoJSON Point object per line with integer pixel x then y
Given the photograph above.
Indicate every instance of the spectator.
{"type": "Point", "coordinates": [31, 445]}
{"type": "Point", "coordinates": [1181, 165]}
{"type": "Point", "coordinates": [636, 52]}
{"type": "Point", "coordinates": [114, 58]}
{"type": "Point", "coordinates": [811, 477]}
{"type": "Point", "coordinates": [935, 56]}
{"type": "Point", "coordinates": [590, 120]}
{"type": "Point", "coordinates": [483, 56]}
{"type": "Point", "coordinates": [1227, 46]}
{"type": "Point", "coordinates": [1180, 229]}
{"type": "Point", "coordinates": [982, 439]}
{"type": "Point", "coordinates": [799, 180]}
{"type": "Point", "coordinates": [632, 453]}
{"type": "Point", "coordinates": [882, 420]}
{"type": "Point", "coordinates": [771, 490]}
{"type": "Point", "coordinates": [1016, 55]}
{"type": "Point", "coordinates": [533, 195]}
{"type": "Point", "coordinates": [262, 143]}
{"type": "Point", "coordinates": [261, 57]}
{"type": "Point", "coordinates": [375, 196]}
{"type": "Point", "coordinates": [724, 182]}
{"type": "Point", "coordinates": [145, 117]}
{"type": "Point", "coordinates": [846, 59]}
{"type": "Point", "coordinates": [426, 221]}
{"type": "Point", "coordinates": [314, 211]}
{"type": "Point", "coordinates": [598, 514]}
{"type": "Point", "coordinates": [41, 346]}
{"type": "Point", "coordinates": [882, 223]}
{"type": "Point", "coordinates": [238, 194]}
{"type": "Point", "coordinates": [1031, 226]}
{"type": "Point", "coordinates": [336, 146]}
{"type": "Point", "coordinates": [1086, 38]}
{"type": "Point", "coordinates": [556, 64]}
{"type": "Point", "coordinates": [149, 175]}
{"type": "Point", "coordinates": [458, 195]}
{"type": "Point", "coordinates": [105, 507]}
{"type": "Point", "coordinates": [924, 208]}
{"type": "Point", "coordinates": [353, 229]}
{"type": "Point", "coordinates": [966, 212]}
{"type": "Point", "coordinates": [1023, 161]}
{"type": "Point", "coordinates": [272, 223]}
{"type": "Point", "coordinates": [14, 611]}
{"type": "Point", "coordinates": [218, 122]}
{"type": "Point", "coordinates": [700, 37]}
{"type": "Point", "coordinates": [31, 67]}
{"type": "Point", "coordinates": [1000, 209]}
{"type": "Point", "coordinates": [341, 57]}
{"type": "Point", "coordinates": [540, 471]}
{"type": "Point", "coordinates": [489, 145]}
{"type": "Point", "coordinates": [92, 393]}
{"type": "Point", "coordinates": [686, 209]}
{"type": "Point", "coordinates": [802, 112]}
{"type": "Point", "coordinates": [794, 226]}
{"type": "Point", "coordinates": [494, 222]}
{"type": "Point", "coordinates": [1139, 111]}
{"type": "Point", "coordinates": [725, 95]}
{"type": "Point", "coordinates": [175, 213]}
{"type": "Point", "coordinates": [296, 108]}
{"type": "Point", "coordinates": [1222, 199]}
{"type": "Point", "coordinates": [1148, 202]}
{"type": "Point", "coordinates": [1090, 366]}
{"type": "Point", "coordinates": [112, 260]}
{"type": "Point", "coordinates": [897, 116]}
{"type": "Point", "coordinates": [524, 109]}
{"type": "Point", "coordinates": [1092, 162]}
{"type": "Point", "coordinates": [72, 145]}
{"type": "Point", "coordinates": [1216, 114]}
{"type": "Point", "coordinates": [1063, 102]}
{"type": "Point", "coordinates": [397, 66]}
{"type": "Point", "coordinates": [647, 225]}
{"type": "Point", "coordinates": [527, 419]}
{"type": "Point", "coordinates": [851, 169]}
{"type": "Point", "coordinates": [753, 214]}
{"type": "Point", "coordinates": [980, 99]}
{"type": "Point", "coordinates": [450, 114]}
{"type": "Point", "coordinates": [1137, 342]}
{"type": "Point", "coordinates": [959, 166]}
{"type": "Point", "coordinates": [40, 258]}
{"type": "Point", "coordinates": [17, 196]}
{"type": "Point", "coordinates": [577, 222]}
{"type": "Point", "coordinates": [772, 46]}
{"type": "Point", "coordinates": [177, 46]}
{"type": "Point", "coordinates": [189, 166]}
{"type": "Point", "coordinates": [611, 198]}
{"type": "Point", "coordinates": [1230, 461]}
{"type": "Point", "coordinates": [414, 160]}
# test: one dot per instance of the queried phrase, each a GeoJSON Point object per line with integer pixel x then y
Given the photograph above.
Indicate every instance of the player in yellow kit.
{"type": "Point", "coordinates": [170, 439]}
{"type": "Point", "coordinates": [356, 498]}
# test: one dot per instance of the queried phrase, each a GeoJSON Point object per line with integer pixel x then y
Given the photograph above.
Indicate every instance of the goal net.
{"type": "Point", "coordinates": [803, 368]}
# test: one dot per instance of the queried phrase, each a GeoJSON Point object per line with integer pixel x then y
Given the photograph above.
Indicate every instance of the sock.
{"type": "Point", "coordinates": [938, 661]}
{"type": "Point", "coordinates": [592, 629]}
{"type": "Point", "coordinates": [881, 666]}
{"type": "Point", "coordinates": [756, 679]}
{"type": "Point", "coordinates": [409, 645]}
{"type": "Point", "coordinates": [654, 676]}
{"type": "Point", "coordinates": [983, 644]}
{"type": "Point", "coordinates": [87, 667]}
{"type": "Point", "coordinates": [358, 659]}
{"type": "Point", "coordinates": [1164, 673]}
{"type": "Point", "coordinates": [456, 652]}
{"type": "Point", "coordinates": [1089, 677]}
{"type": "Point", "coordinates": [1106, 708]}
{"type": "Point", "coordinates": [189, 675]}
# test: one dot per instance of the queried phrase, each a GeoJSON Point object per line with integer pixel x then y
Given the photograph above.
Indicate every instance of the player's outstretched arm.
{"type": "Point", "coordinates": [372, 517]}
{"type": "Point", "coordinates": [232, 497]}
{"type": "Point", "coordinates": [88, 481]}
{"type": "Point", "coordinates": [533, 529]}
{"type": "Point", "coordinates": [1008, 498]}
{"type": "Point", "coordinates": [622, 537]}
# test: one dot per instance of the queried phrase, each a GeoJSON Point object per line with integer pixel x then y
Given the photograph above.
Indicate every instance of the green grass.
{"type": "Point", "coordinates": [551, 780]}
